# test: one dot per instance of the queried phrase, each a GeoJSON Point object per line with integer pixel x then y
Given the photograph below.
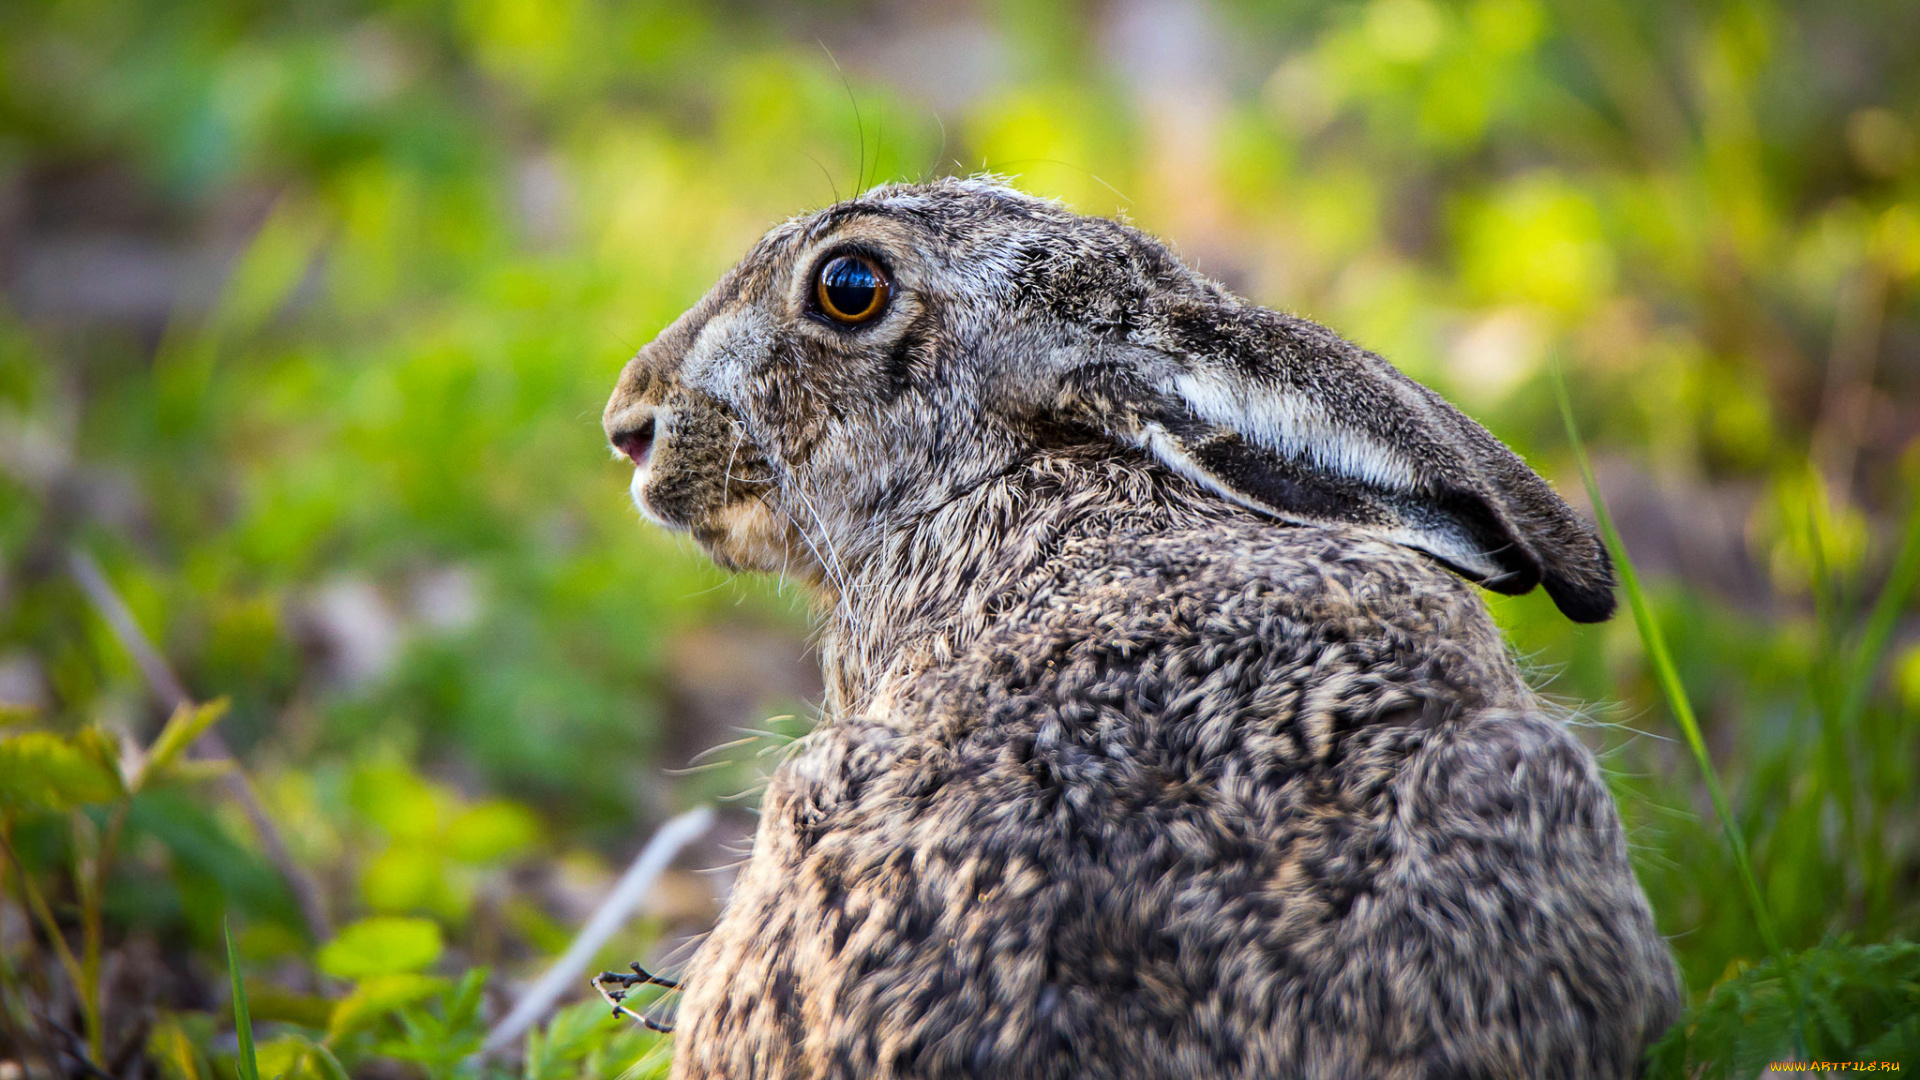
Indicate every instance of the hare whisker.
{"type": "Point", "coordinates": [826, 566]}
{"type": "Point", "coordinates": [835, 569]}
{"type": "Point", "coordinates": [721, 748]}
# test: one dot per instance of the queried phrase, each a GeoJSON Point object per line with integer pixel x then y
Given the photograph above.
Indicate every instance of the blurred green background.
{"type": "Point", "coordinates": [307, 313]}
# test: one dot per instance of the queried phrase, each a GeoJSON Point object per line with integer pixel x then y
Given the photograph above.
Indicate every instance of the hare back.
{"type": "Point", "coordinates": [1273, 804]}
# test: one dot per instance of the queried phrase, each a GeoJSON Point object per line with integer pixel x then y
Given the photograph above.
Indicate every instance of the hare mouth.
{"type": "Point", "coordinates": [637, 489]}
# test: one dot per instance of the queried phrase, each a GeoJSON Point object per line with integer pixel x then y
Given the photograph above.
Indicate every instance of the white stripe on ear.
{"type": "Point", "coordinates": [1294, 427]}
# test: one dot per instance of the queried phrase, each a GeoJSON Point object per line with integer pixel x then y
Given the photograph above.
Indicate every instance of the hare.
{"type": "Point", "coordinates": [1164, 734]}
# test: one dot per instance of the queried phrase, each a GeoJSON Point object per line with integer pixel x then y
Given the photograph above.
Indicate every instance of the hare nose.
{"type": "Point", "coordinates": [636, 442]}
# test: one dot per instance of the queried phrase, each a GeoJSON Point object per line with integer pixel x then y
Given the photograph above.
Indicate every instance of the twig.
{"type": "Point", "coordinates": [16, 991]}
{"type": "Point", "coordinates": [615, 987]}
{"type": "Point", "coordinates": [613, 911]}
{"type": "Point", "coordinates": [100, 592]}
{"type": "Point", "coordinates": [37, 904]}
{"type": "Point", "coordinates": [209, 746]}
{"type": "Point", "coordinates": [77, 1049]}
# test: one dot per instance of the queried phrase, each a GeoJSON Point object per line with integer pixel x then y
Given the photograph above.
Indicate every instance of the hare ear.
{"type": "Point", "coordinates": [1282, 415]}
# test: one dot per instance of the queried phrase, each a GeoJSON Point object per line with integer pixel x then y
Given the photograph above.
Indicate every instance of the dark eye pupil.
{"type": "Point", "coordinates": [849, 285]}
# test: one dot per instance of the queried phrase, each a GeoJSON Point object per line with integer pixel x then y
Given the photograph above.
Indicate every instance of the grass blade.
{"type": "Point", "coordinates": [1882, 620]}
{"type": "Point", "coordinates": [1655, 643]}
{"type": "Point", "coordinates": [325, 1063]}
{"type": "Point", "coordinates": [247, 1065]}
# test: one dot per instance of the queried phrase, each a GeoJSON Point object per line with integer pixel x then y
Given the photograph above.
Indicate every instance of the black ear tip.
{"type": "Point", "coordinates": [1585, 597]}
{"type": "Point", "coordinates": [1583, 602]}
{"type": "Point", "coordinates": [1584, 590]}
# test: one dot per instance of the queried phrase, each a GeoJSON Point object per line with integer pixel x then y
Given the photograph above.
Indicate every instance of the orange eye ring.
{"type": "Point", "coordinates": [850, 290]}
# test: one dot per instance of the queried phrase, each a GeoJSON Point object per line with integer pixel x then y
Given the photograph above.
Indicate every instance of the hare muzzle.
{"type": "Point", "coordinates": [694, 470]}
{"type": "Point", "coordinates": [635, 424]}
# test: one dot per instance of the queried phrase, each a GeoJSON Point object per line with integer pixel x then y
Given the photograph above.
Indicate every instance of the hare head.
{"type": "Point", "coordinates": [865, 365]}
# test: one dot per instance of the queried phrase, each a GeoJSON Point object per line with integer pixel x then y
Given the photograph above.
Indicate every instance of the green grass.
{"type": "Point", "coordinates": [1836, 1001]}
{"type": "Point", "coordinates": [1658, 655]}
{"type": "Point", "coordinates": [247, 1064]}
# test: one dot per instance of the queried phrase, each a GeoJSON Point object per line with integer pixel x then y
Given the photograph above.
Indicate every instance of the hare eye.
{"type": "Point", "coordinates": [851, 290]}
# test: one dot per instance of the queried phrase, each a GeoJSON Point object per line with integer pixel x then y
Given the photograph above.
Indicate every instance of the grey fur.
{"type": "Point", "coordinates": [1158, 739]}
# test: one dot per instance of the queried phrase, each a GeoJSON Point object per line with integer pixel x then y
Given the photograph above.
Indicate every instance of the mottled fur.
{"type": "Point", "coordinates": [1159, 739]}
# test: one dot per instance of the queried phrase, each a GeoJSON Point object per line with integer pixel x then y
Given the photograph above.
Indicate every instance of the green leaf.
{"type": "Point", "coordinates": [405, 806]}
{"type": "Point", "coordinates": [324, 1062]}
{"type": "Point", "coordinates": [491, 830]}
{"type": "Point", "coordinates": [39, 769]}
{"type": "Point", "coordinates": [101, 748]}
{"type": "Point", "coordinates": [186, 725]}
{"type": "Point", "coordinates": [1866, 995]}
{"type": "Point", "coordinates": [268, 1002]}
{"type": "Point", "coordinates": [463, 1007]}
{"type": "Point", "coordinates": [281, 1058]}
{"type": "Point", "coordinates": [410, 877]}
{"type": "Point", "coordinates": [248, 1067]}
{"type": "Point", "coordinates": [188, 772]}
{"type": "Point", "coordinates": [378, 997]}
{"type": "Point", "coordinates": [382, 946]}
{"type": "Point", "coordinates": [171, 1046]}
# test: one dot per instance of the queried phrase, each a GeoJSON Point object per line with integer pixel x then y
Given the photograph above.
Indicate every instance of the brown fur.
{"type": "Point", "coordinates": [1159, 740]}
